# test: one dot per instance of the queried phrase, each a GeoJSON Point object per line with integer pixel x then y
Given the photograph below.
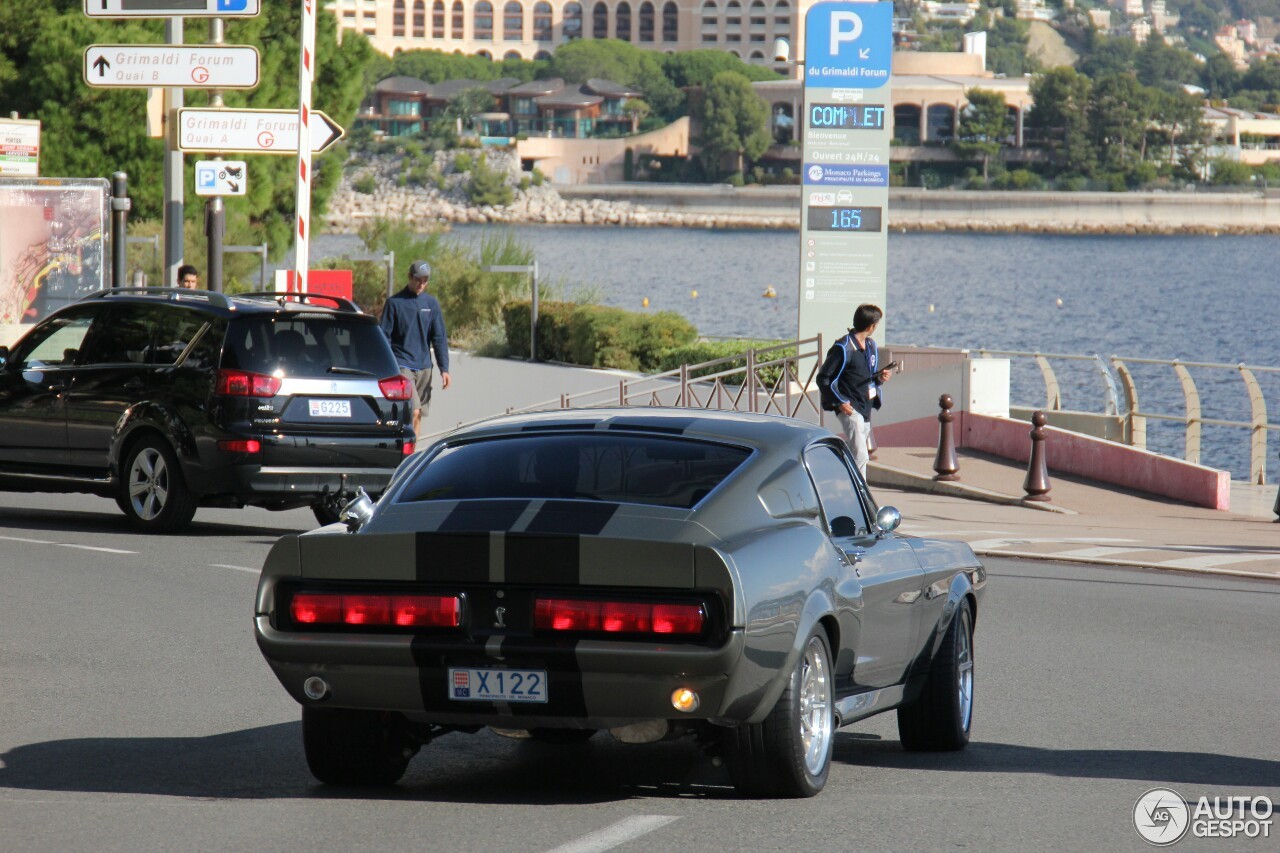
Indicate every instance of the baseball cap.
{"type": "Point", "coordinates": [419, 269]}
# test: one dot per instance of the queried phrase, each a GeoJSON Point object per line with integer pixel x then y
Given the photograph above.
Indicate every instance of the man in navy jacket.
{"type": "Point", "coordinates": [413, 322]}
{"type": "Point", "coordinates": [849, 381]}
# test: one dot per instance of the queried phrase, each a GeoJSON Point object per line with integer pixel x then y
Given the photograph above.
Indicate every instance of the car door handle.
{"type": "Point", "coordinates": [855, 555]}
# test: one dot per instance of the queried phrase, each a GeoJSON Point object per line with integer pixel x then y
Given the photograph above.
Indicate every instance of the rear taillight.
{"type": "Point", "coordinates": [239, 383]}
{"type": "Point", "coordinates": [241, 445]}
{"type": "Point", "coordinates": [619, 617]}
{"type": "Point", "coordinates": [407, 450]}
{"type": "Point", "coordinates": [400, 611]}
{"type": "Point", "coordinates": [397, 387]}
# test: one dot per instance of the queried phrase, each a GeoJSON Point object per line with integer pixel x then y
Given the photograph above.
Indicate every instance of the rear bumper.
{"type": "Point", "coordinates": [593, 684]}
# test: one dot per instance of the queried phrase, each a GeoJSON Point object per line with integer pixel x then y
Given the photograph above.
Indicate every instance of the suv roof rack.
{"type": "Point", "coordinates": [283, 296]}
{"type": "Point", "coordinates": [173, 294]}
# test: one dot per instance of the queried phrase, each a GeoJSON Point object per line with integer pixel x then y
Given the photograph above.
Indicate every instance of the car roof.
{"type": "Point", "coordinates": [755, 430]}
{"type": "Point", "coordinates": [232, 305]}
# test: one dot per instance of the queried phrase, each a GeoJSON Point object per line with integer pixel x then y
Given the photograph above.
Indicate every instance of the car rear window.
{"type": "Point", "coordinates": [625, 468]}
{"type": "Point", "coordinates": [307, 345]}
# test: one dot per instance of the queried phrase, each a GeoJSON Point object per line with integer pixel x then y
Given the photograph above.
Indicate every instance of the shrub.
{"type": "Point", "coordinates": [366, 184]}
{"type": "Point", "coordinates": [1073, 184]}
{"type": "Point", "coordinates": [596, 336]}
{"type": "Point", "coordinates": [462, 162]}
{"type": "Point", "coordinates": [538, 178]}
{"type": "Point", "coordinates": [701, 351]}
{"type": "Point", "coordinates": [488, 186]}
{"type": "Point", "coordinates": [735, 180]}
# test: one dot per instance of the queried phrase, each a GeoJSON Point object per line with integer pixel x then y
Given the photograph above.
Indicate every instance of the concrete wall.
{"type": "Point", "coordinates": [597, 161]}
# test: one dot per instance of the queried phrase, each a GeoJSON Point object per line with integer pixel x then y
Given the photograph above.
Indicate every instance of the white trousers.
{"type": "Point", "coordinates": [857, 433]}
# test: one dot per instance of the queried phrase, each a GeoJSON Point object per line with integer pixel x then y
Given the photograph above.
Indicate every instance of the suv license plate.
{"type": "Point", "coordinates": [330, 408]}
{"type": "Point", "coordinates": [498, 685]}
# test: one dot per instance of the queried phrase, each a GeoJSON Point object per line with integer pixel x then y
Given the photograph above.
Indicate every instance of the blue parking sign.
{"type": "Point", "coordinates": [848, 45]}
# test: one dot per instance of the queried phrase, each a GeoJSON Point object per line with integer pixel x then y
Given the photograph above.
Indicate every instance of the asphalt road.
{"type": "Point", "coordinates": [137, 714]}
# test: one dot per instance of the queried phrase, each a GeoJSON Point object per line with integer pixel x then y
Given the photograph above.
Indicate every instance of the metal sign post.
{"type": "Point", "coordinates": [845, 139]}
{"type": "Point", "coordinates": [530, 270]}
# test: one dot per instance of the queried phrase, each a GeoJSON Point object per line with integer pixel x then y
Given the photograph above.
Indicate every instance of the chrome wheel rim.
{"type": "Point", "coordinates": [964, 668]}
{"type": "Point", "coordinates": [148, 484]}
{"type": "Point", "coordinates": [815, 707]}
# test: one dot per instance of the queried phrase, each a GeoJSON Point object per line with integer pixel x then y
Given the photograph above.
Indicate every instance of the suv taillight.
{"type": "Point", "coordinates": [396, 387]}
{"type": "Point", "coordinates": [238, 383]}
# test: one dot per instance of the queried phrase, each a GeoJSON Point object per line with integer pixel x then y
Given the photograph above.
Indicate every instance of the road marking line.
{"type": "Point", "coordinates": [29, 541]}
{"type": "Point", "coordinates": [1100, 551]}
{"type": "Point", "coordinates": [621, 832]}
{"type": "Point", "coordinates": [92, 548]}
{"type": "Point", "coordinates": [237, 568]}
{"type": "Point", "coordinates": [1209, 561]}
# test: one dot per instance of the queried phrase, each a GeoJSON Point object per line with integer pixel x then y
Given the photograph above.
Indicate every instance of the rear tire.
{"type": "Point", "coordinates": [153, 495]}
{"type": "Point", "coordinates": [789, 754]}
{"type": "Point", "coordinates": [350, 747]}
{"type": "Point", "coordinates": [940, 718]}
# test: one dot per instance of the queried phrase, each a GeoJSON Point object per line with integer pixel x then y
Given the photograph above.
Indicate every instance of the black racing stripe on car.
{"type": "Point", "coordinates": [673, 426]}
{"type": "Point", "coordinates": [565, 696]}
{"type": "Point", "coordinates": [455, 557]}
{"type": "Point", "coordinates": [541, 559]}
{"type": "Point", "coordinates": [572, 517]}
{"type": "Point", "coordinates": [433, 676]}
{"type": "Point", "coordinates": [477, 516]}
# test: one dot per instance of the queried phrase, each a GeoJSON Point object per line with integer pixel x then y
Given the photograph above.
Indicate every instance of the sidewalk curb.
{"type": "Point", "coordinates": [1125, 564]}
{"type": "Point", "coordinates": [879, 474]}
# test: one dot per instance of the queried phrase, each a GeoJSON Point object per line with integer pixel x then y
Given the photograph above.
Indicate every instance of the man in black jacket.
{"type": "Point", "coordinates": [850, 379]}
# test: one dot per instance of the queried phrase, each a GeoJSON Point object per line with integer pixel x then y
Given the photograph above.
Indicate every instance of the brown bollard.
{"type": "Point", "coordinates": [945, 463]}
{"type": "Point", "coordinates": [1036, 485]}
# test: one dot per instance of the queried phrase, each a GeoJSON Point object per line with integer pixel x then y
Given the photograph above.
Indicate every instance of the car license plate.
{"type": "Point", "coordinates": [330, 408]}
{"type": "Point", "coordinates": [498, 685]}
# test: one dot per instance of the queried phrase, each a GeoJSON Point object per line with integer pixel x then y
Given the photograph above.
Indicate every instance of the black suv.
{"type": "Point", "coordinates": [169, 399]}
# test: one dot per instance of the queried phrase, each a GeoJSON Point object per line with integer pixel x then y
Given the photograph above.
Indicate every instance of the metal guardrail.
{"type": "Point", "coordinates": [770, 382]}
{"type": "Point", "coordinates": [1192, 418]}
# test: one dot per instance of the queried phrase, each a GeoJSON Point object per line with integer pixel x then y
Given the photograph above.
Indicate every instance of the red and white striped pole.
{"type": "Point", "coordinates": [306, 74]}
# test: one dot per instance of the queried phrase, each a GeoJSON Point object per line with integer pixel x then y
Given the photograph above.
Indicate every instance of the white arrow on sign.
{"type": "Point", "coordinates": [184, 66]}
{"type": "Point", "coordinates": [171, 8]}
{"type": "Point", "coordinates": [251, 131]}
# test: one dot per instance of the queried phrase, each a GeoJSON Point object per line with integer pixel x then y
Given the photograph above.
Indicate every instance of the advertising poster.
{"type": "Point", "coordinates": [53, 236]}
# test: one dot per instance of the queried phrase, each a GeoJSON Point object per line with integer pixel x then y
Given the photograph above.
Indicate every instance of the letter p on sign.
{"type": "Point", "coordinates": [845, 27]}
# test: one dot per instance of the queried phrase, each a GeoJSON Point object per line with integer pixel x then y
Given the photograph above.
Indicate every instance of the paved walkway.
{"type": "Point", "coordinates": [1084, 522]}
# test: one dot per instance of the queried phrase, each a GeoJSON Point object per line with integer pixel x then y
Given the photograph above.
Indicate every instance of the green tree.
{"type": "Point", "coordinates": [1119, 113]}
{"type": "Point", "coordinates": [735, 123]}
{"type": "Point", "coordinates": [91, 132]}
{"type": "Point", "coordinates": [621, 62]}
{"type": "Point", "coordinates": [1219, 76]}
{"type": "Point", "coordinates": [984, 123]}
{"type": "Point", "coordinates": [638, 109]}
{"type": "Point", "coordinates": [699, 67]}
{"type": "Point", "coordinates": [1109, 55]}
{"type": "Point", "coordinates": [1061, 118]}
{"type": "Point", "coordinates": [1166, 67]}
{"type": "Point", "coordinates": [466, 105]}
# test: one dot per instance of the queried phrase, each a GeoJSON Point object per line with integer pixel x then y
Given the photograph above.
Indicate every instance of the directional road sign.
{"type": "Point", "coordinates": [221, 177]}
{"type": "Point", "coordinates": [171, 8]}
{"type": "Point", "coordinates": [190, 66]}
{"type": "Point", "coordinates": [251, 131]}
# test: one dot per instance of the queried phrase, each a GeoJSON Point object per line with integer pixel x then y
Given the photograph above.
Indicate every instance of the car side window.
{"type": "Point", "coordinates": [837, 492]}
{"type": "Point", "coordinates": [175, 329]}
{"type": "Point", "coordinates": [56, 343]}
{"type": "Point", "coordinates": [124, 337]}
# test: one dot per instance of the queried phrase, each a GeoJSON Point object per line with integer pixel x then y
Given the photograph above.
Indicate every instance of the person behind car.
{"type": "Point", "coordinates": [414, 323]}
{"type": "Point", "coordinates": [188, 277]}
{"type": "Point", "coordinates": [849, 382]}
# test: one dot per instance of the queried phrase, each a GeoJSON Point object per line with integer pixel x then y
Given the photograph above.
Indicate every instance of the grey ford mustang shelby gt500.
{"type": "Point", "coordinates": [648, 571]}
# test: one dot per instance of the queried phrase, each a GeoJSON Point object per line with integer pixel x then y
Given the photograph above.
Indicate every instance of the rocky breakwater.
{"type": "Point", "coordinates": [391, 187]}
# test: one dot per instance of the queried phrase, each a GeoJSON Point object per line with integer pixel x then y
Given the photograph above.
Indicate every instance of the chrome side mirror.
{"type": "Point", "coordinates": [358, 511]}
{"type": "Point", "coordinates": [888, 519]}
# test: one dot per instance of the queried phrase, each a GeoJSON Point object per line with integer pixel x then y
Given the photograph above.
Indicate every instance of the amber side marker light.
{"type": "Point", "coordinates": [684, 699]}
